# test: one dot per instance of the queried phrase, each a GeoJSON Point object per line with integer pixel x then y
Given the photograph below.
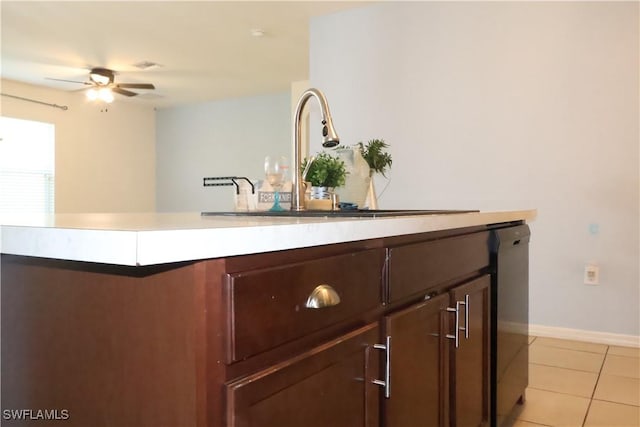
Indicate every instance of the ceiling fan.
{"type": "Point", "coordinates": [103, 78]}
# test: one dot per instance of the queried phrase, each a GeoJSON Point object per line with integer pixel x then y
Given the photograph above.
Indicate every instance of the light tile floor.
{"type": "Point", "coordinates": [576, 384]}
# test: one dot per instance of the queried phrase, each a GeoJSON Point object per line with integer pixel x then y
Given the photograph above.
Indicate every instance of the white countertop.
{"type": "Point", "coordinates": [157, 238]}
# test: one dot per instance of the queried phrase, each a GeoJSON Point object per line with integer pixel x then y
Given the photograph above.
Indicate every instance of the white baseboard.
{"type": "Point", "coordinates": [582, 335]}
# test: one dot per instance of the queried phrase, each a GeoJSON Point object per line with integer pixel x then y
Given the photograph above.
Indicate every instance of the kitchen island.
{"type": "Point", "coordinates": [184, 320]}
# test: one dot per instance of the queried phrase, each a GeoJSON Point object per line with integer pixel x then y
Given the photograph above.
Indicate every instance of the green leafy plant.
{"type": "Point", "coordinates": [376, 156]}
{"type": "Point", "coordinates": [326, 171]}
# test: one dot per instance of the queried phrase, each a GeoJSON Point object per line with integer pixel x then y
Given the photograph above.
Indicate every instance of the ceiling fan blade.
{"type": "Point", "coordinates": [136, 85]}
{"type": "Point", "coordinates": [69, 81]}
{"type": "Point", "coordinates": [124, 92]}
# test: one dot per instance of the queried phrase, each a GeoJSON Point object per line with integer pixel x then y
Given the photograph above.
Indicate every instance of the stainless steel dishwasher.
{"type": "Point", "coordinates": [509, 321]}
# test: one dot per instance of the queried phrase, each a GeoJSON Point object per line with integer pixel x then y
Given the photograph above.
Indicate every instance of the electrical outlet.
{"type": "Point", "coordinates": [591, 274]}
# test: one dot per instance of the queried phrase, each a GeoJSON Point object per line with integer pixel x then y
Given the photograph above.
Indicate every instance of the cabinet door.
{"type": "Point", "coordinates": [470, 361]}
{"type": "Point", "coordinates": [419, 363]}
{"type": "Point", "coordinates": [330, 385]}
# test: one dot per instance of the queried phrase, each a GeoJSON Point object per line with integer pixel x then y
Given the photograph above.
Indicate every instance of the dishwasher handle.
{"type": "Point", "coordinates": [504, 239]}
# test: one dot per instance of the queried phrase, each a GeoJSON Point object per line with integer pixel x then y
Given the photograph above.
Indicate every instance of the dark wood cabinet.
{"type": "Point", "coordinates": [440, 370]}
{"type": "Point", "coordinates": [418, 365]}
{"type": "Point", "coordinates": [114, 346]}
{"type": "Point", "coordinates": [470, 364]}
{"type": "Point", "coordinates": [234, 342]}
{"type": "Point", "coordinates": [440, 376]}
{"type": "Point", "coordinates": [331, 385]}
{"type": "Point", "coordinates": [276, 295]}
{"type": "Point", "coordinates": [418, 267]}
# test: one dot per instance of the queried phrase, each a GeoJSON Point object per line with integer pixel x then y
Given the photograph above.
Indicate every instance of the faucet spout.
{"type": "Point", "coordinates": [329, 139]}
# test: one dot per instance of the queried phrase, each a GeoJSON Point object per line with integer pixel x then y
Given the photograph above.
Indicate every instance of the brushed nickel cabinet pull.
{"type": "Point", "coordinates": [466, 316]}
{"type": "Point", "coordinates": [456, 330]}
{"type": "Point", "coordinates": [386, 383]}
{"type": "Point", "coordinates": [322, 296]}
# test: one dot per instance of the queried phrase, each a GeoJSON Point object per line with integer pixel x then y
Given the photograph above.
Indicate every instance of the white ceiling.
{"type": "Point", "coordinates": [205, 48]}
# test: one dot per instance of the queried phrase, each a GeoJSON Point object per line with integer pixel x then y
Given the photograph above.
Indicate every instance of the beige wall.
{"type": "Point", "coordinates": [105, 161]}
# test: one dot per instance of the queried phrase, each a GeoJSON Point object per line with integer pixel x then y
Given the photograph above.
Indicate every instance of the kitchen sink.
{"type": "Point", "coordinates": [348, 213]}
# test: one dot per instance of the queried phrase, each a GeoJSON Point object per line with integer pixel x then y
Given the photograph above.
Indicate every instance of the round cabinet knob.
{"type": "Point", "coordinates": [323, 296]}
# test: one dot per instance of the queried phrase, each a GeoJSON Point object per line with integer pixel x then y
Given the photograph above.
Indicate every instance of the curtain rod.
{"type": "Point", "coordinates": [62, 107]}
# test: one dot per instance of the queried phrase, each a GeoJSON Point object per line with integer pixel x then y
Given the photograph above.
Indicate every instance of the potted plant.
{"type": "Point", "coordinates": [374, 153]}
{"type": "Point", "coordinates": [325, 172]}
{"type": "Point", "coordinates": [376, 156]}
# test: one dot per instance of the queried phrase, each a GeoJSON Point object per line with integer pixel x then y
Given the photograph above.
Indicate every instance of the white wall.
{"type": "Point", "coordinates": [501, 105]}
{"type": "Point", "coordinates": [105, 162]}
{"type": "Point", "coordinates": [219, 138]}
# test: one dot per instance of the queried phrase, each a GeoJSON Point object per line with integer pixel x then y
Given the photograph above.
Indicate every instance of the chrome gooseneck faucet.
{"type": "Point", "coordinates": [329, 139]}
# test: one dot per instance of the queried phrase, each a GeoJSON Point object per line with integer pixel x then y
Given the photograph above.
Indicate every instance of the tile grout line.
{"type": "Point", "coordinates": [568, 369]}
{"type": "Point", "coordinates": [573, 349]}
{"type": "Point", "coordinates": [562, 393]}
{"type": "Point", "coordinates": [593, 393]}
{"type": "Point", "coordinates": [578, 342]}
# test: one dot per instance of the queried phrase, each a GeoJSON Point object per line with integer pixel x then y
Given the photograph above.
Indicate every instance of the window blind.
{"type": "Point", "coordinates": [27, 159]}
{"type": "Point", "coordinates": [26, 192]}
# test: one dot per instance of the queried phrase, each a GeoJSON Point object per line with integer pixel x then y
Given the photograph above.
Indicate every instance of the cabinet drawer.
{"type": "Point", "coordinates": [330, 385]}
{"type": "Point", "coordinates": [267, 307]}
{"type": "Point", "coordinates": [417, 267]}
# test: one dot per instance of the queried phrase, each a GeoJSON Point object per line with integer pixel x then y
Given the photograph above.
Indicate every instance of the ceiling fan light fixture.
{"type": "Point", "coordinates": [92, 94]}
{"type": "Point", "coordinates": [102, 85]}
{"type": "Point", "coordinates": [102, 94]}
{"type": "Point", "coordinates": [101, 76]}
{"type": "Point", "coordinates": [106, 95]}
